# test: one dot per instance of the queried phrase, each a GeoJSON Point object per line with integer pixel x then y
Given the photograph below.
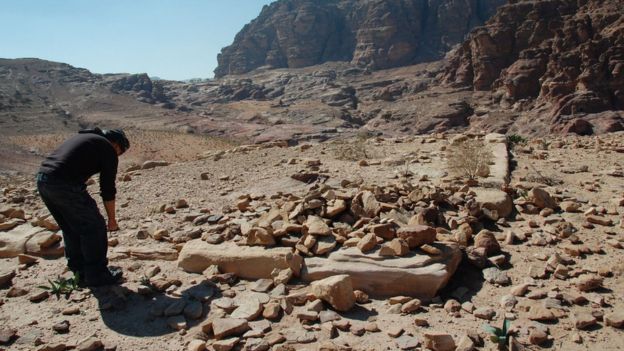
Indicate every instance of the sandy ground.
{"type": "Point", "coordinates": [125, 321]}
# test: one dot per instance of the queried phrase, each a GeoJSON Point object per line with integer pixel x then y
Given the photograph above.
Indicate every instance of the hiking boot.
{"type": "Point", "coordinates": [110, 276]}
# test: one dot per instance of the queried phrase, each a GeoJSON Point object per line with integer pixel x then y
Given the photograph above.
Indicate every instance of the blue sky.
{"type": "Point", "coordinates": [171, 39]}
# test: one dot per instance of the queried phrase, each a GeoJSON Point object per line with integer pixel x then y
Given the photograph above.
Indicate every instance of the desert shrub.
{"type": "Point", "coordinates": [470, 158]}
{"type": "Point", "coordinates": [354, 150]}
{"type": "Point", "coordinates": [515, 139]}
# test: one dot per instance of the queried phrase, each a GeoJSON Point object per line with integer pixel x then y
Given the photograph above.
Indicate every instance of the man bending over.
{"type": "Point", "coordinates": [61, 184]}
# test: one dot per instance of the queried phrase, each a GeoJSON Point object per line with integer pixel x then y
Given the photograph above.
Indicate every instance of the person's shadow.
{"type": "Point", "coordinates": [129, 313]}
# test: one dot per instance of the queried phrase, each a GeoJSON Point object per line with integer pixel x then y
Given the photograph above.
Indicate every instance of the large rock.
{"type": "Point", "coordinates": [13, 243]}
{"type": "Point", "coordinates": [412, 275]}
{"type": "Point", "coordinates": [542, 199]}
{"type": "Point", "coordinates": [336, 290]}
{"type": "Point", "coordinates": [249, 262]}
{"type": "Point", "coordinates": [494, 200]}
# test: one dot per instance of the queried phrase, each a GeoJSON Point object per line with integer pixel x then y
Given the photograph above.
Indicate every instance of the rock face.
{"type": "Point", "coordinates": [565, 53]}
{"type": "Point", "coordinates": [377, 34]}
{"type": "Point", "coordinates": [412, 275]}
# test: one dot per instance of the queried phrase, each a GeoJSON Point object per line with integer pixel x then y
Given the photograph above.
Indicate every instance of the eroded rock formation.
{"type": "Point", "coordinates": [564, 54]}
{"type": "Point", "coordinates": [377, 34]}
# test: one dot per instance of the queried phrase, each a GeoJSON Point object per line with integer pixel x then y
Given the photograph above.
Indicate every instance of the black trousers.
{"type": "Point", "coordinates": [84, 228]}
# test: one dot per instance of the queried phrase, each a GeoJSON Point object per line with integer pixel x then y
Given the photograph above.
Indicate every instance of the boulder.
{"type": "Point", "coordinates": [249, 262]}
{"type": "Point", "coordinates": [486, 239]}
{"type": "Point", "coordinates": [417, 235]}
{"type": "Point", "coordinates": [336, 290]}
{"type": "Point", "coordinates": [542, 199]}
{"type": "Point", "coordinates": [414, 275]}
{"type": "Point", "coordinates": [494, 200]}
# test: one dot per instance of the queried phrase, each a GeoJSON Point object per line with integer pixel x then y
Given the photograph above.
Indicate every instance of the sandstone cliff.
{"type": "Point", "coordinates": [375, 33]}
{"type": "Point", "coordinates": [566, 56]}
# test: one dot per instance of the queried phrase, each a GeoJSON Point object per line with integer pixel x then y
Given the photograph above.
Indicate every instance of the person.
{"type": "Point", "coordinates": [61, 182]}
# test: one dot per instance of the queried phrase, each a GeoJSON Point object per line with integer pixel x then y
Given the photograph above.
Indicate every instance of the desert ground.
{"type": "Point", "coordinates": [557, 275]}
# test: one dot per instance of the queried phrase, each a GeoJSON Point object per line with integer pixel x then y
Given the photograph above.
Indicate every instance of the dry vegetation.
{"type": "Point", "coordinates": [470, 158]}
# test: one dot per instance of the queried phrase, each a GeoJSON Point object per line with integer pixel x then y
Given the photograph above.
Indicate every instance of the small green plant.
{"type": "Point", "coordinates": [515, 139]}
{"type": "Point", "coordinates": [499, 335]}
{"type": "Point", "coordinates": [145, 280]}
{"type": "Point", "coordinates": [523, 194]}
{"type": "Point", "coordinates": [63, 286]}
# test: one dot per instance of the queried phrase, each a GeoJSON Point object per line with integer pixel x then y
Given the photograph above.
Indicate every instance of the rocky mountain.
{"type": "Point", "coordinates": [375, 33]}
{"type": "Point", "coordinates": [563, 58]}
{"type": "Point", "coordinates": [534, 68]}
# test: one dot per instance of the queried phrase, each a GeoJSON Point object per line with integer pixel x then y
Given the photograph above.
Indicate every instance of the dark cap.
{"type": "Point", "coordinates": [117, 136]}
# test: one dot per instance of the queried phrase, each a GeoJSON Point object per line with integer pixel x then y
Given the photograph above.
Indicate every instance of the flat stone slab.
{"type": "Point", "coordinates": [13, 242]}
{"type": "Point", "coordinates": [417, 274]}
{"type": "Point", "coordinates": [248, 262]}
{"type": "Point", "coordinates": [499, 171]}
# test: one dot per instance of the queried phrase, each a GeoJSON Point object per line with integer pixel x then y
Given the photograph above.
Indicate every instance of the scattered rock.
{"type": "Point", "coordinates": [61, 327]}
{"type": "Point", "coordinates": [90, 344]}
{"type": "Point", "coordinates": [584, 321]}
{"type": "Point", "coordinates": [615, 319]}
{"type": "Point", "coordinates": [224, 327]}
{"type": "Point", "coordinates": [336, 290]}
{"type": "Point", "coordinates": [496, 276]}
{"type": "Point", "coordinates": [6, 278]}
{"type": "Point", "coordinates": [417, 235]}
{"type": "Point", "coordinates": [438, 341]}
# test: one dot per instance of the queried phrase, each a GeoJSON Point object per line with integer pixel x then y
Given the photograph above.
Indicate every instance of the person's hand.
{"type": "Point", "coordinates": [113, 226]}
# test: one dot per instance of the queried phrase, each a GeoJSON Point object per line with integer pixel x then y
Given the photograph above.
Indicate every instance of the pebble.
{"type": "Point", "coordinates": [61, 327]}
{"type": "Point", "coordinates": [72, 310]}
{"type": "Point", "coordinates": [494, 275]}
{"type": "Point", "coordinates": [484, 313]}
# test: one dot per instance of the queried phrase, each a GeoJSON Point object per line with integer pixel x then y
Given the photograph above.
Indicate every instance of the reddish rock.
{"type": "Point", "coordinates": [417, 235]}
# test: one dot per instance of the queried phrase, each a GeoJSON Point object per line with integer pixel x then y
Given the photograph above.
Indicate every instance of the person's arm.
{"type": "Point", "coordinates": [108, 189]}
{"type": "Point", "coordinates": [109, 206]}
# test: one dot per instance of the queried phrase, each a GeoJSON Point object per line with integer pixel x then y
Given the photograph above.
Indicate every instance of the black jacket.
{"type": "Point", "coordinates": [82, 156]}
